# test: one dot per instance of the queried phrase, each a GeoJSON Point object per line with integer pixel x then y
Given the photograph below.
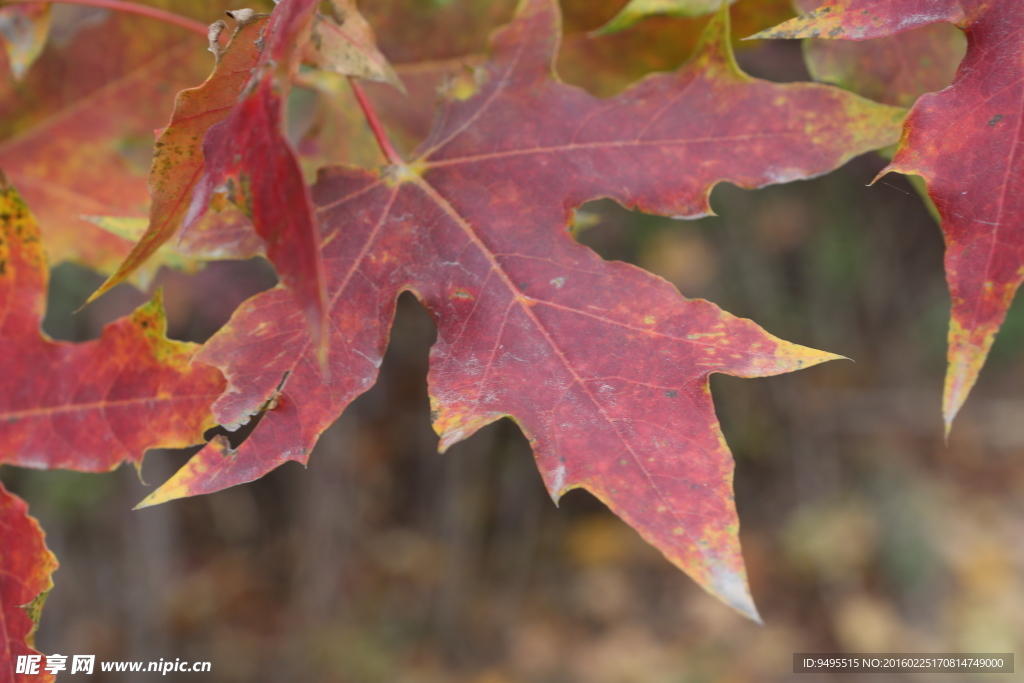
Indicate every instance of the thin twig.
{"type": "Point", "coordinates": [390, 153]}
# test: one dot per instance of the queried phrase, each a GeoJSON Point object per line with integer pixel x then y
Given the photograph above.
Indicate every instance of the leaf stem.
{"type": "Point", "coordinates": [390, 153]}
{"type": "Point", "coordinates": [131, 8]}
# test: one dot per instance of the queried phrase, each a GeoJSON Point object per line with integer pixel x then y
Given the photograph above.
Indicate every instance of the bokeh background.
{"type": "Point", "coordinates": [384, 561]}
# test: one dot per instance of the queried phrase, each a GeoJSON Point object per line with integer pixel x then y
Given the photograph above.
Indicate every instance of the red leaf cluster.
{"type": "Point", "coordinates": [604, 366]}
{"type": "Point", "coordinates": [531, 324]}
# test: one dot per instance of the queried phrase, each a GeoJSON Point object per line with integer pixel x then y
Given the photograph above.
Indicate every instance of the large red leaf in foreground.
{"type": "Point", "coordinates": [25, 569]}
{"type": "Point", "coordinates": [248, 157]}
{"type": "Point", "coordinates": [604, 366]}
{"type": "Point", "coordinates": [966, 142]}
{"type": "Point", "coordinates": [87, 406]}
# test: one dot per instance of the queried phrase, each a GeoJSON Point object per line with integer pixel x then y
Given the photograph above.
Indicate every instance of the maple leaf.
{"type": "Point", "coordinates": [892, 69]}
{"type": "Point", "coordinates": [23, 32]}
{"type": "Point", "coordinates": [604, 366]}
{"type": "Point", "coordinates": [178, 162]}
{"type": "Point", "coordinates": [92, 405]}
{"type": "Point", "coordinates": [76, 134]}
{"type": "Point", "coordinates": [248, 158]}
{"type": "Point", "coordinates": [965, 142]}
{"type": "Point", "coordinates": [26, 566]}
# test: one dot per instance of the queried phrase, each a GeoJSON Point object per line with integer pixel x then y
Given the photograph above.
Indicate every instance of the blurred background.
{"type": "Point", "coordinates": [386, 562]}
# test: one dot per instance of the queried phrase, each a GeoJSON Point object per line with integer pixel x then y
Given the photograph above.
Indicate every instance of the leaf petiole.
{"type": "Point", "coordinates": [390, 153]}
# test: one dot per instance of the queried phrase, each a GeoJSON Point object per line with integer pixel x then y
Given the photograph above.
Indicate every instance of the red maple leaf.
{"type": "Point", "coordinates": [247, 156]}
{"type": "Point", "coordinates": [92, 405]}
{"type": "Point", "coordinates": [604, 366]}
{"type": "Point", "coordinates": [178, 163]}
{"type": "Point", "coordinates": [25, 569]}
{"type": "Point", "coordinates": [966, 142]}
